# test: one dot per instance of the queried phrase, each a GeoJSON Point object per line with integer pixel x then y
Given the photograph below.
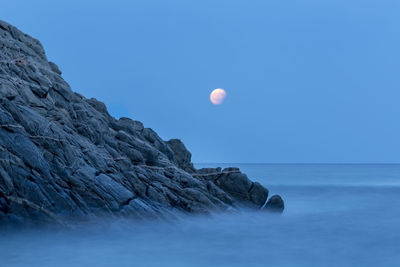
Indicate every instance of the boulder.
{"type": "Point", "coordinates": [182, 156]}
{"type": "Point", "coordinates": [275, 204]}
{"type": "Point", "coordinates": [236, 184]}
{"type": "Point", "coordinates": [258, 194]}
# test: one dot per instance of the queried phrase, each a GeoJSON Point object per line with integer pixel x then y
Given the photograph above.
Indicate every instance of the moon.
{"type": "Point", "coordinates": [217, 96]}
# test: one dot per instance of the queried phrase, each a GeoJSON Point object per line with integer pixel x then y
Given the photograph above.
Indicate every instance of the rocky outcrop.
{"type": "Point", "coordinates": [63, 156]}
{"type": "Point", "coordinates": [183, 157]}
{"type": "Point", "coordinates": [275, 204]}
{"type": "Point", "coordinates": [236, 184]}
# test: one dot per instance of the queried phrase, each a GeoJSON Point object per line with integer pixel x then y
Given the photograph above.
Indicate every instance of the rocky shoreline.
{"type": "Point", "coordinates": [63, 156]}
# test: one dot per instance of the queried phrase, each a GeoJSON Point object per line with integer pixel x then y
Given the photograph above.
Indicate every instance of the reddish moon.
{"type": "Point", "coordinates": [217, 96]}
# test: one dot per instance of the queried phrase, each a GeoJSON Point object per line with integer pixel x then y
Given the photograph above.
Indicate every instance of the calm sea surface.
{"type": "Point", "coordinates": [336, 215]}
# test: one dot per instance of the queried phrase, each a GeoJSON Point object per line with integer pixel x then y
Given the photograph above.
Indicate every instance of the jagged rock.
{"type": "Point", "coordinates": [236, 184]}
{"type": "Point", "coordinates": [258, 194]}
{"type": "Point", "coordinates": [182, 155]}
{"type": "Point", "coordinates": [63, 156]}
{"type": "Point", "coordinates": [275, 204]}
{"type": "Point", "coordinates": [54, 67]}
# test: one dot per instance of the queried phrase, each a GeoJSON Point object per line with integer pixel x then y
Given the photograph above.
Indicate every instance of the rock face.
{"type": "Point", "coordinates": [182, 156]}
{"type": "Point", "coordinates": [63, 156]}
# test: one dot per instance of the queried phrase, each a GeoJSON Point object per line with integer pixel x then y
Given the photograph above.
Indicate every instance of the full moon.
{"type": "Point", "coordinates": [217, 96]}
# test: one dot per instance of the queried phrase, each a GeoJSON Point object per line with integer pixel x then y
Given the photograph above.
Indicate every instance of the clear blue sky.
{"type": "Point", "coordinates": [308, 81]}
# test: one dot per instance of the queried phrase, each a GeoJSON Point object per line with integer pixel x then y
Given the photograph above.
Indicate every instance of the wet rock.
{"type": "Point", "coordinates": [63, 156]}
{"type": "Point", "coordinates": [275, 204]}
{"type": "Point", "coordinates": [258, 194]}
{"type": "Point", "coordinates": [236, 184]}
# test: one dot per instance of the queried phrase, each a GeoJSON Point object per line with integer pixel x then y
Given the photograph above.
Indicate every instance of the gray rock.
{"type": "Point", "coordinates": [258, 194]}
{"type": "Point", "coordinates": [209, 170]}
{"type": "Point", "coordinates": [182, 156]}
{"type": "Point", "coordinates": [236, 184]}
{"type": "Point", "coordinates": [64, 157]}
{"type": "Point", "coordinates": [275, 204]}
{"type": "Point", "coordinates": [54, 67]}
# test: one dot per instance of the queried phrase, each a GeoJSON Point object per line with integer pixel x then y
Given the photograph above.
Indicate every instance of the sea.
{"type": "Point", "coordinates": [335, 215]}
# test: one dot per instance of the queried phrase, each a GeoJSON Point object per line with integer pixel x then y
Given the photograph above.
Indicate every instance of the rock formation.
{"type": "Point", "coordinates": [63, 156]}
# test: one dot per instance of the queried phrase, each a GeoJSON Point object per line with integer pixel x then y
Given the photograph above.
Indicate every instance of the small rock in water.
{"type": "Point", "coordinates": [275, 204]}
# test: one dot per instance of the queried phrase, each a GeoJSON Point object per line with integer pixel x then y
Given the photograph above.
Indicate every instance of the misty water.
{"type": "Point", "coordinates": [336, 215]}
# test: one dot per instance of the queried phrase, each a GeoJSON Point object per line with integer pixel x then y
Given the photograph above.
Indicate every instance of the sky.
{"type": "Point", "coordinates": [307, 81]}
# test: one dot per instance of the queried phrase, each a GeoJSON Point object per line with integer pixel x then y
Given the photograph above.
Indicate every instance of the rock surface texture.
{"type": "Point", "coordinates": [62, 156]}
